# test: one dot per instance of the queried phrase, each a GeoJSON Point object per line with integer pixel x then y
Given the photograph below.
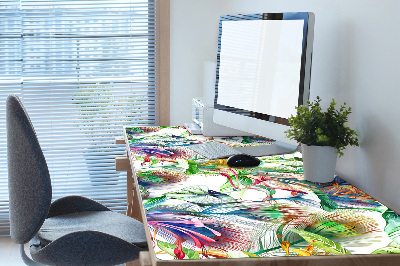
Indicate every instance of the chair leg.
{"type": "Point", "coordinates": [26, 259]}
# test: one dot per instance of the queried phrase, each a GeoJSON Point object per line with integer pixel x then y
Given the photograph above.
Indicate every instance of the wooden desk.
{"type": "Point", "coordinates": [204, 212]}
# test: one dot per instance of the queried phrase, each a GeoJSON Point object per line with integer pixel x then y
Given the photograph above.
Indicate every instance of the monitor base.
{"type": "Point", "coordinates": [275, 148]}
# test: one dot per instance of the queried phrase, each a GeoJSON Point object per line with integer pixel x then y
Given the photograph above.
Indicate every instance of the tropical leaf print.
{"type": "Point", "coordinates": [212, 164]}
{"type": "Point", "coordinates": [178, 251]}
{"type": "Point", "coordinates": [321, 242]}
{"type": "Point", "coordinates": [232, 183]}
{"type": "Point", "coordinates": [393, 247]}
{"type": "Point", "coordinates": [200, 195]}
{"type": "Point", "coordinates": [200, 209]}
{"type": "Point", "coordinates": [340, 224]}
{"type": "Point", "coordinates": [392, 227]}
{"type": "Point", "coordinates": [193, 169]}
{"type": "Point", "coordinates": [160, 177]}
{"type": "Point", "coordinates": [188, 192]}
{"type": "Point", "coordinates": [326, 203]}
{"type": "Point", "coordinates": [144, 193]}
{"type": "Point", "coordinates": [153, 202]}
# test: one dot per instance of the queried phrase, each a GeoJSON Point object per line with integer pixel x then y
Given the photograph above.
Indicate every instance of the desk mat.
{"type": "Point", "coordinates": [198, 208]}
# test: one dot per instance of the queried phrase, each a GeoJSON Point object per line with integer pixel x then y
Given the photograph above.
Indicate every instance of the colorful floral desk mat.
{"type": "Point", "coordinates": [199, 208]}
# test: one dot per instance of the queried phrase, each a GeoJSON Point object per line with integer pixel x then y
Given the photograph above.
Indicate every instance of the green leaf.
{"type": "Point", "coordinates": [386, 250]}
{"type": "Point", "coordinates": [199, 195]}
{"type": "Point", "coordinates": [251, 255]}
{"type": "Point", "coordinates": [321, 242]}
{"type": "Point", "coordinates": [193, 169]}
{"type": "Point", "coordinates": [191, 254]}
{"type": "Point", "coordinates": [153, 161]}
{"type": "Point", "coordinates": [392, 227]}
{"type": "Point", "coordinates": [260, 244]}
{"type": "Point", "coordinates": [143, 191]}
{"type": "Point", "coordinates": [312, 126]}
{"type": "Point", "coordinates": [153, 202]}
{"type": "Point", "coordinates": [332, 229]}
{"type": "Point", "coordinates": [167, 247]}
{"type": "Point", "coordinates": [393, 247]}
{"type": "Point", "coordinates": [269, 191]}
{"type": "Point", "coordinates": [148, 176]}
{"type": "Point", "coordinates": [246, 140]}
{"type": "Point", "coordinates": [326, 203]}
{"type": "Point", "coordinates": [188, 192]}
{"type": "Point", "coordinates": [244, 181]}
{"type": "Point", "coordinates": [279, 232]}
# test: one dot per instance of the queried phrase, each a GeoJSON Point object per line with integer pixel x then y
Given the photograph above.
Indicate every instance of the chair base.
{"type": "Point", "coordinates": [26, 259]}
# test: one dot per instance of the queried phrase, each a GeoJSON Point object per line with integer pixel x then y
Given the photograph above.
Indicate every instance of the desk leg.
{"type": "Point", "coordinates": [129, 193]}
{"type": "Point", "coordinates": [133, 199]}
{"type": "Point", "coordinates": [133, 263]}
{"type": "Point", "coordinates": [144, 260]}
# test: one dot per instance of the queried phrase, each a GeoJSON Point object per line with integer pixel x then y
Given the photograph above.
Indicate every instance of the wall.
{"type": "Point", "coordinates": [194, 41]}
{"type": "Point", "coordinates": [355, 60]}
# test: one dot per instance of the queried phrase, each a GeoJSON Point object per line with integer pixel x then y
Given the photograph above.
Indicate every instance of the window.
{"type": "Point", "coordinates": [83, 69]}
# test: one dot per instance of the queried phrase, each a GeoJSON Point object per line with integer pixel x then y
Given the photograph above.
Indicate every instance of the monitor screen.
{"type": "Point", "coordinates": [263, 71]}
{"type": "Point", "coordinates": [260, 63]}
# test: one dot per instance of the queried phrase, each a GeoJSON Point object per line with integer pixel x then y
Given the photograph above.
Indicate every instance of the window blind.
{"type": "Point", "coordinates": [83, 69]}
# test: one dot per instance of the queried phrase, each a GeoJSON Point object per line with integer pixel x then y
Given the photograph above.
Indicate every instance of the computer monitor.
{"type": "Point", "coordinates": [263, 73]}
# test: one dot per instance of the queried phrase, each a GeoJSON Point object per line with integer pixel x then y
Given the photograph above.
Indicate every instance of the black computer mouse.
{"type": "Point", "coordinates": [243, 160]}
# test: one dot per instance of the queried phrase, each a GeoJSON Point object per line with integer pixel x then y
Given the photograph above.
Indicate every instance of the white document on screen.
{"type": "Point", "coordinates": [260, 63]}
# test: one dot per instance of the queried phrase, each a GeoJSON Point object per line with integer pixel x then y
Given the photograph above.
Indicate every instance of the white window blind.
{"type": "Point", "coordinates": [83, 69]}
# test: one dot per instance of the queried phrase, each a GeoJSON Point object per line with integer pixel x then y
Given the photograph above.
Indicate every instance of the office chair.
{"type": "Point", "coordinates": [70, 231]}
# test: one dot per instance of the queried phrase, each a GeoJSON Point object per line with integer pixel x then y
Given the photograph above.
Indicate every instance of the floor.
{"type": "Point", "coordinates": [9, 253]}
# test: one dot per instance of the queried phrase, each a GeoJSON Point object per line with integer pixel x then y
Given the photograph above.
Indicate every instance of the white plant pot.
{"type": "Point", "coordinates": [319, 163]}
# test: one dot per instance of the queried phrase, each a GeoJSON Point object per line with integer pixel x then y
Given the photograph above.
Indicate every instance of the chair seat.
{"type": "Point", "coordinates": [108, 222]}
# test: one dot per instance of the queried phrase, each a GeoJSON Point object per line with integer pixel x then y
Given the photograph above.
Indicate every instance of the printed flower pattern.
{"type": "Point", "coordinates": [200, 209]}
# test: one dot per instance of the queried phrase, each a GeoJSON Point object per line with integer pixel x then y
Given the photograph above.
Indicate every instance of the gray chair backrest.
{"type": "Point", "coordinates": [29, 183]}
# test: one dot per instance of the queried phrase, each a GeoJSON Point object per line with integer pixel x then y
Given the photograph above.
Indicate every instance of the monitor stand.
{"type": "Point", "coordinates": [275, 148]}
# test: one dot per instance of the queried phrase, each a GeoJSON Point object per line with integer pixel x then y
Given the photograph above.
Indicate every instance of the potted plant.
{"type": "Point", "coordinates": [323, 135]}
